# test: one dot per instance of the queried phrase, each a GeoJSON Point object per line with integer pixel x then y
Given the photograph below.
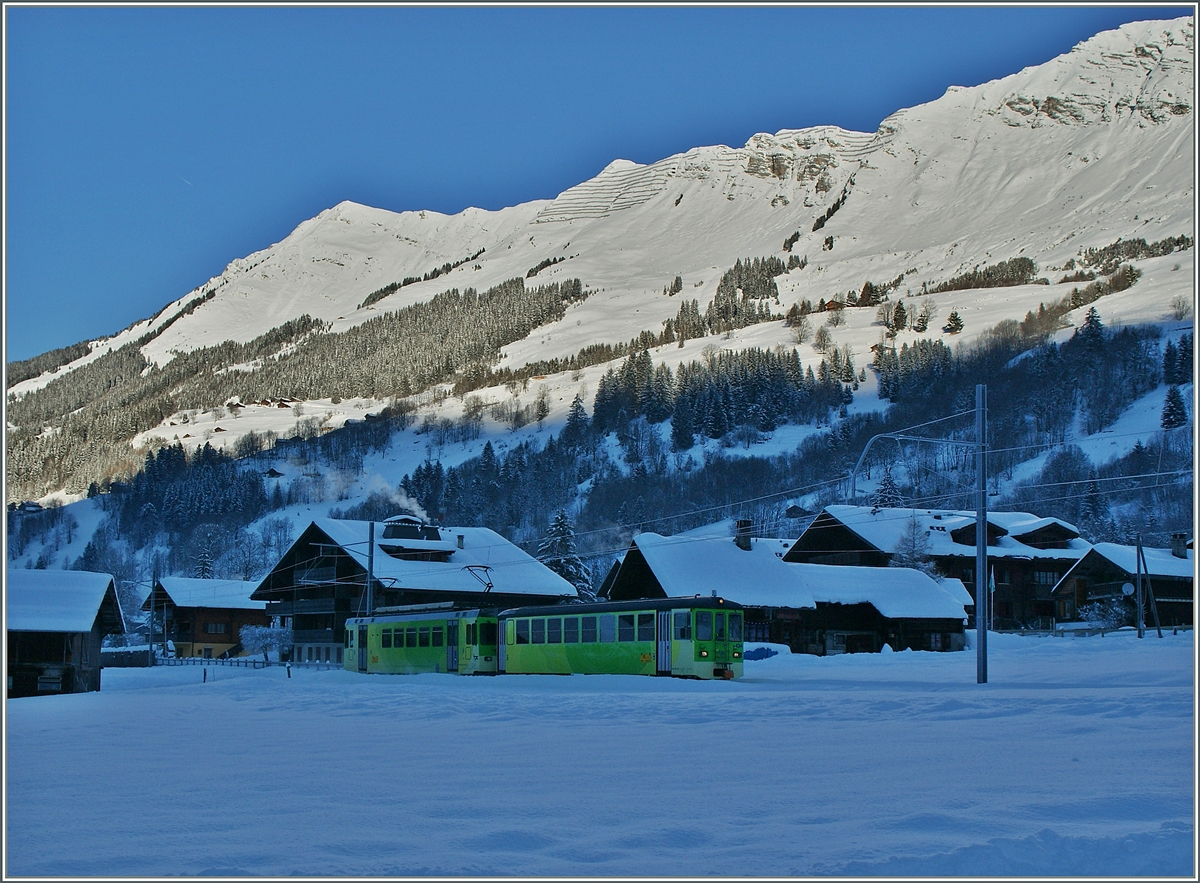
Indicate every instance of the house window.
{"type": "Point", "coordinates": [1045, 577]}
{"type": "Point", "coordinates": [214, 628]}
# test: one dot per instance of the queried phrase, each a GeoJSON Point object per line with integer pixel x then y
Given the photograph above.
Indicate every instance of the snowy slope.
{"type": "Point", "coordinates": [1077, 152]}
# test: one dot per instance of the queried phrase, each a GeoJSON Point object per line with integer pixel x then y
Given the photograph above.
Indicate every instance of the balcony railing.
{"type": "Point", "coordinates": [315, 576]}
{"type": "Point", "coordinates": [291, 608]}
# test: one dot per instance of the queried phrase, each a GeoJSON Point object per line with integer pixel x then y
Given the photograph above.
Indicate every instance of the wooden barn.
{"type": "Point", "coordinates": [204, 617]}
{"type": "Point", "coordinates": [56, 620]}
{"type": "Point", "coordinates": [321, 579]}
{"type": "Point", "coordinates": [1102, 572]}
{"type": "Point", "coordinates": [1029, 555]}
{"type": "Point", "coordinates": [812, 608]}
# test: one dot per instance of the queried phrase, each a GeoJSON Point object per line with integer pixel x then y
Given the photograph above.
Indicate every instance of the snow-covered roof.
{"type": "Point", "coordinates": [55, 600]}
{"type": "Point", "coordinates": [704, 565]}
{"type": "Point", "coordinates": [957, 590]}
{"type": "Point", "coordinates": [1159, 562]}
{"type": "Point", "coordinates": [896, 592]}
{"type": "Point", "coordinates": [510, 569]}
{"type": "Point", "coordinates": [883, 528]}
{"type": "Point", "coordinates": [229, 593]}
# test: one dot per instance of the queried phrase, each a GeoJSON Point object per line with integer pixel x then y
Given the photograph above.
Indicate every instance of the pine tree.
{"type": "Point", "coordinates": [1174, 413]}
{"type": "Point", "coordinates": [913, 547]}
{"type": "Point", "coordinates": [900, 316]}
{"type": "Point", "coordinates": [1091, 332]}
{"type": "Point", "coordinates": [557, 551]}
{"type": "Point", "coordinates": [954, 323]}
{"type": "Point", "coordinates": [577, 423]}
{"type": "Point", "coordinates": [1183, 367]}
{"type": "Point", "coordinates": [887, 495]}
{"type": "Point", "coordinates": [1170, 364]}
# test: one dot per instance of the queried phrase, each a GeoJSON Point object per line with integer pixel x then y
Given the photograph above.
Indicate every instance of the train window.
{"type": "Point", "coordinates": [487, 633]}
{"type": "Point", "coordinates": [412, 637]}
{"type": "Point", "coordinates": [625, 627]}
{"type": "Point", "coordinates": [645, 624]}
{"type": "Point", "coordinates": [571, 630]}
{"type": "Point", "coordinates": [471, 627]}
{"type": "Point", "coordinates": [703, 625]}
{"type": "Point", "coordinates": [522, 631]}
{"type": "Point", "coordinates": [683, 628]}
{"type": "Point", "coordinates": [588, 629]}
{"type": "Point", "coordinates": [608, 628]}
{"type": "Point", "coordinates": [437, 637]}
{"type": "Point", "coordinates": [554, 630]}
{"type": "Point", "coordinates": [735, 626]}
{"type": "Point", "coordinates": [349, 639]}
{"type": "Point", "coordinates": [423, 636]}
{"type": "Point", "coordinates": [537, 631]}
{"type": "Point", "coordinates": [720, 630]}
{"type": "Point", "coordinates": [386, 639]}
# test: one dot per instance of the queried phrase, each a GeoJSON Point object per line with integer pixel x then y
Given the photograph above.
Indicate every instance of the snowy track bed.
{"type": "Point", "coordinates": [1076, 758]}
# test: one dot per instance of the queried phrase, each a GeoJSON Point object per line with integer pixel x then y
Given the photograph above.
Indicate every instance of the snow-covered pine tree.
{"type": "Point", "coordinates": [1170, 362]}
{"type": "Point", "coordinates": [557, 551]}
{"type": "Point", "coordinates": [1174, 413]}
{"type": "Point", "coordinates": [887, 495]}
{"type": "Point", "coordinates": [954, 323]}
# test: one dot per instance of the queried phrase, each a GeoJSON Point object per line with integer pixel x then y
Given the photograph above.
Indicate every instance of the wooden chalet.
{"type": "Point", "coordinates": [813, 608]}
{"type": "Point", "coordinates": [56, 620]}
{"type": "Point", "coordinates": [1029, 555]}
{"type": "Point", "coordinates": [1107, 567]}
{"type": "Point", "coordinates": [321, 580]}
{"type": "Point", "coordinates": [204, 617]}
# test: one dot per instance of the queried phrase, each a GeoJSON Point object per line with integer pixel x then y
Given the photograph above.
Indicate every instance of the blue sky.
{"type": "Point", "coordinates": [148, 147]}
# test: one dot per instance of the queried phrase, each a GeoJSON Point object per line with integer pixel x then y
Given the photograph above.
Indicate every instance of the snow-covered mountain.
{"type": "Point", "coordinates": [1092, 146]}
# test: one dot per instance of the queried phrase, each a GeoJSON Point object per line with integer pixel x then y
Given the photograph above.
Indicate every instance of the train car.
{"type": "Point", "coordinates": [422, 638]}
{"type": "Point", "coordinates": [684, 637]}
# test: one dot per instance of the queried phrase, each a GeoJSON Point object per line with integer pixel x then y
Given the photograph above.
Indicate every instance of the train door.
{"type": "Point", "coordinates": [452, 645]}
{"type": "Point", "coordinates": [362, 648]}
{"type": "Point", "coordinates": [664, 642]}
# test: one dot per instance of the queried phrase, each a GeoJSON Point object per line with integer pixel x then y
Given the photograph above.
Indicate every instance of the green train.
{"type": "Point", "coordinates": [680, 637]}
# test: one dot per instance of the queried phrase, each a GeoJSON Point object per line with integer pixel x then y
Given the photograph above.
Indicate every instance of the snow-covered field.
{"type": "Point", "coordinates": [1077, 758]}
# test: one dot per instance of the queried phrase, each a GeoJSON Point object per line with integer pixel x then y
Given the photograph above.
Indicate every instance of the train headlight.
{"type": "Point", "coordinates": [703, 653]}
{"type": "Point", "coordinates": [736, 654]}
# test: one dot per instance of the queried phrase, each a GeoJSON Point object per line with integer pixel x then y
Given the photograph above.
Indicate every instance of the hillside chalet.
{"type": "Point", "coordinates": [1028, 555]}
{"type": "Point", "coordinates": [812, 608]}
{"type": "Point", "coordinates": [56, 620]}
{"type": "Point", "coordinates": [1101, 573]}
{"type": "Point", "coordinates": [204, 617]}
{"type": "Point", "coordinates": [321, 579]}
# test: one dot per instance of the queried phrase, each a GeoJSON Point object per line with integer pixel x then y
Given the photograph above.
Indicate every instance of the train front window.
{"type": "Point", "coordinates": [720, 618]}
{"type": "Point", "coordinates": [571, 630]}
{"type": "Point", "coordinates": [683, 628]}
{"type": "Point", "coordinates": [522, 631]}
{"type": "Point", "coordinates": [349, 639]}
{"type": "Point", "coordinates": [645, 626]}
{"type": "Point", "coordinates": [538, 632]}
{"type": "Point", "coordinates": [735, 627]}
{"type": "Point", "coordinates": [704, 625]}
{"type": "Point", "coordinates": [554, 630]}
{"type": "Point", "coordinates": [386, 639]}
{"type": "Point", "coordinates": [471, 628]}
{"type": "Point", "coordinates": [588, 629]}
{"type": "Point", "coordinates": [625, 627]}
{"type": "Point", "coordinates": [608, 628]}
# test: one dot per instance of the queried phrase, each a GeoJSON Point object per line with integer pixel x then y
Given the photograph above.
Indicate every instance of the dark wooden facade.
{"type": "Point", "coordinates": [317, 585]}
{"type": "Point", "coordinates": [1024, 583]}
{"type": "Point", "coordinates": [52, 659]}
{"type": "Point", "coordinates": [200, 630]}
{"type": "Point", "coordinates": [1097, 577]}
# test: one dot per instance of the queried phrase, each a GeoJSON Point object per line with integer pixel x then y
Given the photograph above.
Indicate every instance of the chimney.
{"type": "Point", "coordinates": [742, 533]}
{"type": "Point", "coordinates": [1179, 545]}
